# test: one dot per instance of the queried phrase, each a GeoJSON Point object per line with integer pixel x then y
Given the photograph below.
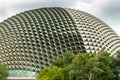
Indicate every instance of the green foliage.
{"type": "Point", "coordinates": [58, 71]}
{"type": "Point", "coordinates": [105, 62]}
{"type": "Point", "coordinates": [77, 67]}
{"type": "Point", "coordinates": [83, 66]}
{"type": "Point", "coordinates": [65, 60]}
{"type": "Point", "coordinates": [116, 65]}
{"type": "Point", "coordinates": [3, 72]}
{"type": "Point", "coordinates": [118, 54]}
{"type": "Point", "coordinates": [52, 73]}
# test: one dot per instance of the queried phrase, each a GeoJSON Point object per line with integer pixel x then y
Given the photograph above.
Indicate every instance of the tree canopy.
{"type": "Point", "coordinates": [83, 66]}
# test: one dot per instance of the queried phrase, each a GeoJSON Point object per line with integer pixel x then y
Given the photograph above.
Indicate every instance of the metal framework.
{"type": "Point", "coordinates": [31, 40]}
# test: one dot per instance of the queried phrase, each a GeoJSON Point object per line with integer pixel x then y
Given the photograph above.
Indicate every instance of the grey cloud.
{"type": "Point", "coordinates": [87, 1]}
{"type": "Point", "coordinates": [47, 3]}
{"type": "Point", "coordinates": [28, 5]}
{"type": "Point", "coordinates": [2, 13]}
{"type": "Point", "coordinates": [112, 11]}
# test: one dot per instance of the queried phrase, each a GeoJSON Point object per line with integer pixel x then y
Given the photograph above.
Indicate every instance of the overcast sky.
{"type": "Point", "coordinates": [107, 10]}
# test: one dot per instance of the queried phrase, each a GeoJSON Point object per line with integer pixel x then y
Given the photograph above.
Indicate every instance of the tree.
{"type": "Point", "coordinates": [52, 73]}
{"type": "Point", "coordinates": [58, 70]}
{"type": "Point", "coordinates": [94, 67]}
{"type": "Point", "coordinates": [105, 64]}
{"type": "Point", "coordinates": [65, 60]}
{"type": "Point", "coordinates": [83, 66]}
{"type": "Point", "coordinates": [115, 65]}
{"type": "Point", "coordinates": [3, 72]}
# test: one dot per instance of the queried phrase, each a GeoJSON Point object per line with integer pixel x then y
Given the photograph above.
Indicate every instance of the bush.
{"type": "Point", "coordinates": [3, 72]}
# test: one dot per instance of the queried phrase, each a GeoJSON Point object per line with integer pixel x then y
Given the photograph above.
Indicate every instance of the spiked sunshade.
{"type": "Point", "coordinates": [31, 40]}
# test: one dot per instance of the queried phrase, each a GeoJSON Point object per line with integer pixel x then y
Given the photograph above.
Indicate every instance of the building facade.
{"type": "Point", "coordinates": [31, 40]}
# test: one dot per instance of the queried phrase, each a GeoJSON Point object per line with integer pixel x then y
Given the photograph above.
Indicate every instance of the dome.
{"type": "Point", "coordinates": [31, 40]}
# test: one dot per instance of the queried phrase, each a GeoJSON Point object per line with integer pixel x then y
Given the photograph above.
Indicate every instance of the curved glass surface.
{"type": "Point", "coordinates": [21, 73]}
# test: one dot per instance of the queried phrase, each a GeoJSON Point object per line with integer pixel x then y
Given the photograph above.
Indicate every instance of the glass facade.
{"type": "Point", "coordinates": [21, 73]}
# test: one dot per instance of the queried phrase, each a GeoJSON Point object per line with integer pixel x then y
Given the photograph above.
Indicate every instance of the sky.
{"type": "Point", "coordinates": [106, 10]}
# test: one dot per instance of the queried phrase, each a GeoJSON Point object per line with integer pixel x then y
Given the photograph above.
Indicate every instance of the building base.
{"type": "Point", "coordinates": [21, 78]}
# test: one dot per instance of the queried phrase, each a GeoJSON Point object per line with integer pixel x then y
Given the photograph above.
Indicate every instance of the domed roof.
{"type": "Point", "coordinates": [31, 40]}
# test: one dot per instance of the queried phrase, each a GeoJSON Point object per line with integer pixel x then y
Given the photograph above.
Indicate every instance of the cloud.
{"type": "Point", "coordinates": [47, 3]}
{"type": "Point", "coordinates": [107, 10]}
{"type": "Point", "coordinates": [13, 7]}
{"type": "Point", "coordinates": [113, 9]}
